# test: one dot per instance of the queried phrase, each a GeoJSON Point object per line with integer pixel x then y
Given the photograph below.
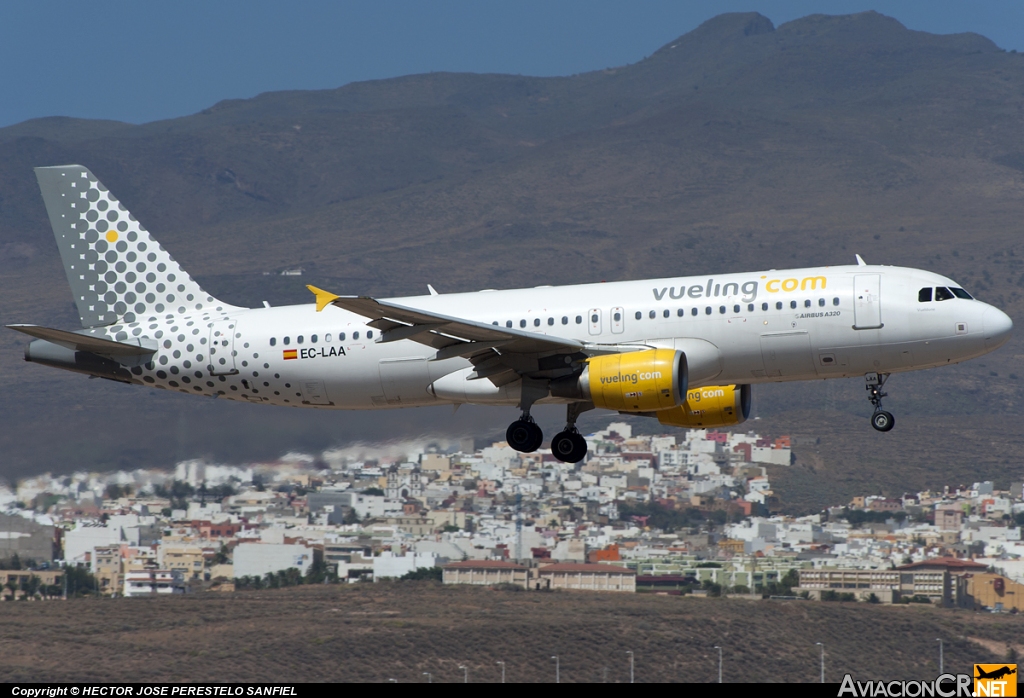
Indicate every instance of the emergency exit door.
{"type": "Point", "coordinates": [867, 301]}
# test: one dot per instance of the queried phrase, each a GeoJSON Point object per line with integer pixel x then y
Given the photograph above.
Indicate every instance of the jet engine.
{"type": "Point", "coordinates": [709, 407]}
{"type": "Point", "coordinates": [638, 381]}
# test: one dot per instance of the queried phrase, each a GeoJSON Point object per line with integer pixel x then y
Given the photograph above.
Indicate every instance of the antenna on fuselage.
{"type": "Point", "coordinates": [860, 261]}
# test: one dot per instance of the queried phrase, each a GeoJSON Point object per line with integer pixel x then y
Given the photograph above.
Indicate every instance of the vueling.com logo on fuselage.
{"type": "Point", "coordinates": [748, 289]}
{"type": "Point", "coordinates": [633, 378]}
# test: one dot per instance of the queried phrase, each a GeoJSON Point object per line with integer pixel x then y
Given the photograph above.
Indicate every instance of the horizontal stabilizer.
{"type": "Point", "coordinates": [84, 342]}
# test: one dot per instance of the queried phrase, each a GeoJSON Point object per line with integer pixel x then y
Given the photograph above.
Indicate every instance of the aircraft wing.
{"type": "Point", "coordinates": [84, 342]}
{"type": "Point", "coordinates": [501, 354]}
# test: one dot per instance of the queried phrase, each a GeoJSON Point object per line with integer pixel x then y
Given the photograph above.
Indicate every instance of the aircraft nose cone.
{"type": "Point", "coordinates": [998, 327]}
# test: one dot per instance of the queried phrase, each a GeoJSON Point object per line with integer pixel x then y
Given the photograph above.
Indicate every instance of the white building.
{"type": "Point", "coordinates": [257, 559]}
{"type": "Point", "coordinates": [387, 564]}
{"type": "Point", "coordinates": [154, 582]}
{"type": "Point", "coordinates": [84, 537]}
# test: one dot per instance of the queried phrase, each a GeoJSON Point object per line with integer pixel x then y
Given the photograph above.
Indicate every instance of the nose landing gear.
{"type": "Point", "coordinates": [880, 420]}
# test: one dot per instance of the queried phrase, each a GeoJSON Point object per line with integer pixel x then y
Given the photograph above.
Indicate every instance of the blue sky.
{"type": "Point", "coordinates": [142, 61]}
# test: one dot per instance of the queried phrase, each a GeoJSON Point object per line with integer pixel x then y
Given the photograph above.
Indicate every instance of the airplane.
{"type": "Point", "coordinates": [682, 350]}
{"type": "Point", "coordinates": [995, 673]}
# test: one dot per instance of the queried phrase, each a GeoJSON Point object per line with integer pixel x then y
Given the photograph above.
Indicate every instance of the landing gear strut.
{"type": "Point", "coordinates": [880, 420]}
{"type": "Point", "coordinates": [523, 434]}
{"type": "Point", "coordinates": [568, 445]}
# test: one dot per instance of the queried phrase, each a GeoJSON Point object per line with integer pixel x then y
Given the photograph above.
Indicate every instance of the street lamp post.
{"type": "Point", "coordinates": [939, 640]}
{"type": "Point", "coordinates": [630, 653]}
{"type": "Point", "coordinates": [719, 663]}
{"type": "Point", "coordinates": [502, 671]}
{"type": "Point", "coordinates": [558, 672]}
{"type": "Point", "coordinates": [822, 645]}
{"type": "Point", "coordinates": [465, 674]}
{"type": "Point", "coordinates": [429, 677]}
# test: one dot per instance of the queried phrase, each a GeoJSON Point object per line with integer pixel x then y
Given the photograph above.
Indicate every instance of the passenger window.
{"type": "Point", "coordinates": [764, 306]}
{"type": "Point", "coordinates": [565, 320]}
{"type": "Point", "coordinates": [750, 308]}
{"type": "Point", "coordinates": [299, 339]}
{"type": "Point", "coordinates": [341, 336]}
{"type": "Point", "coordinates": [821, 302]}
{"type": "Point", "coordinates": [721, 309]}
{"type": "Point", "coordinates": [355, 335]}
{"type": "Point", "coordinates": [680, 312]}
{"type": "Point", "coordinates": [694, 312]}
{"type": "Point", "coordinates": [639, 315]}
{"type": "Point", "coordinates": [960, 293]}
{"type": "Point", "coordinates": [508, 323]}
{"type": "Point", "coordinates": [551, 321]}
{"type": "Point", "coordinates": [327, 337]}
{"type": "Point", "coordinates": [665, 313]}
{"type": "Point", "coordinates": [924, 295]}
{"type": "Point", "coordinates": [943, 294]}
{"type": "Point", "coordinates": [792, 304]}
{"type": "Point", "coordinates": [652, 315]}
{"type": "Point", "coordinates": [778, 306]}
{"type": "Point", "coordinates": [536, 322]}
{"type": "Point", "coordinates": [579, 319]}
{"type": "Point", "coordinates": [522, 323]}
{"type": "Point", "coordinates": [707, 310]}
{"type": "Point", "coordinates": [312, 339]}
{"type": "Point", "coordinates": [594, 318]}
{"type": "Point", "coordinates": [495, 323]}
{"type": "Point", "coordinates": [735, 309]}
{"type": "Point", "coordinates": [807, 303]}
{"type": "Point", "coordinates": [287, 341]}
{"type": "Point", "coordinates": [369, 334]}
{"type": "Point", "coordinates": [273, 341]}
{"type": "Point", "coordinates": [835, 301]}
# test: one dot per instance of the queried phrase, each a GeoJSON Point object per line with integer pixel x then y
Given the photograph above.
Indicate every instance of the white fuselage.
{"type": "Point", "coordinates": [824, 322]}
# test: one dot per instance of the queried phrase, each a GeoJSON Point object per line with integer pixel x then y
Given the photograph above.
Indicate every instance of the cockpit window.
{"type": "Point", "coordinates": [943, 294]}
{"type": "Point", "coordinates": [924, 295]}
{"type": "Point", "coordinates": [960, 293]}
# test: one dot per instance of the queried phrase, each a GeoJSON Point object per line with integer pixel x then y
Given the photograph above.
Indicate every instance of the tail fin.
{"type": "Point", "coordinates": [117, 271]}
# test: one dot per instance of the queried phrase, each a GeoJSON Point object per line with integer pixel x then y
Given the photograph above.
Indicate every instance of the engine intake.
{"type": "Point", "coordinates": [709, 407]}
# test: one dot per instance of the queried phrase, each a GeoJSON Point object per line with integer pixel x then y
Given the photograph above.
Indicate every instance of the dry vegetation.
{"type": "Point", "coordinates": [400, 630]}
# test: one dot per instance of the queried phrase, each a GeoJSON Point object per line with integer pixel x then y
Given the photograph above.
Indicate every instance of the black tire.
{"type": "Point", "coordinates": [883, 421]}
{"type": "Point", "coordinates": [562, 446]}
{"type": "Point", "coordinates": [569, 447]}
{"type": "Point", "coordinates": [524, 436]}
{"type": "Point", "coordinates": [537, 440]}
{"type": "Point", "coordinates": [581, 449]}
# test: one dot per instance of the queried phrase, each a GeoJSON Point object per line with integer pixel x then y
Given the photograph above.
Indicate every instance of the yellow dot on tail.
{"type": "Point", "coordinates": [111, 235]}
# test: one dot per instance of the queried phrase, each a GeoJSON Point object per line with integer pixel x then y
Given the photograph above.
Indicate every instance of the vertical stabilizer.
{"type": "Point", "coordinates": [117, 271]}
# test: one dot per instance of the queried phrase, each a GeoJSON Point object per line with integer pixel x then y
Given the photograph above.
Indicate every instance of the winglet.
{"type": "Point", "coordinates": [323, 298]}
{"type": "Point", "coordinates": [860, 261]}
{"type": "Point", "coordinates": [432, 291]}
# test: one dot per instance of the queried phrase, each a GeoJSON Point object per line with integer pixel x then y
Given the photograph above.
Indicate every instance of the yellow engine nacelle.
{"type": "Point", "coordinates": [637, 381]}
{"type": "Point", "coordinates": [709, 407]}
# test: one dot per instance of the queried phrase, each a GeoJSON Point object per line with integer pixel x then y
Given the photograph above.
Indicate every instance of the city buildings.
{"type": "Point", "coordinates": [695, 509]}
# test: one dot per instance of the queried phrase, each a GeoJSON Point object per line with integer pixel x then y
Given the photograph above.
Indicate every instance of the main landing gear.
{"type": "Point", "coordinates": [524, 435]}
{"type": "Point", "coordinates": [880, 420]}
{"type": "Point", "coordinates": [568, 445]}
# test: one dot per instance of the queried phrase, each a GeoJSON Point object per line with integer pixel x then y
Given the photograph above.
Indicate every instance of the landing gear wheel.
{"type": "Point", "coordinates": [524, 436]}
{"type": "Point", "coordinates": [880, 420]}
{"type": "Point", "coordinates": [883, 421]}
{"type": "Point", "coordinates": [569, 447]}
